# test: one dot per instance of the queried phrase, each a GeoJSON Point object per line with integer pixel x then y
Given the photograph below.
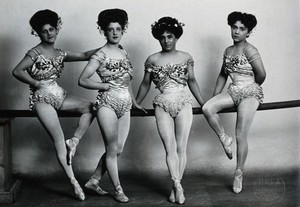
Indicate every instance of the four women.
{"type": "Point", "coordinates": [171, 71]}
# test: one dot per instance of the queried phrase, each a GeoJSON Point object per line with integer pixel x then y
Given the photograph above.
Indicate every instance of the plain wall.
{"type": "Point", "coordinates": [273, 137]}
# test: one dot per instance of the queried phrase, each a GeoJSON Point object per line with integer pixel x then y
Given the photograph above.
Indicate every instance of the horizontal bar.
{"type": "Point", "coordinates": [150, 112]}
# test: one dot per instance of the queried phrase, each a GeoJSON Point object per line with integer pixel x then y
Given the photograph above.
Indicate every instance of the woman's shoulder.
{"type": "Point", "coordinates": [99, 54]}
{"type": "Point", "coordinates": [228, 50]}
{"type": "Point", "coordinates": [153, 58]}
{"type": "Point", "coordinates": [34, 52]}
{"type": "Point", "coordinates": [249, 48]}
{"type": "Point", "coordinates": [251, 53]}
{"type": "Point", "coordinates": [185, 56]}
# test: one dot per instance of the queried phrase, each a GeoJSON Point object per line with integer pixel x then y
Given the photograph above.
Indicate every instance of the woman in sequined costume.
{"type": "Point", "coordinates": [243, 64]}
{"type": "Point", "coordinates": [40, 68]}
{"type": "Point", "coordinates": [114, 98]}
{"type": "Point", "coordinates": [171, 71]}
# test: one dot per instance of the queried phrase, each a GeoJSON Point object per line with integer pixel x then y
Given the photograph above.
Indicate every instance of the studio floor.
{"type": "Point", "coordinates": [265, 188]}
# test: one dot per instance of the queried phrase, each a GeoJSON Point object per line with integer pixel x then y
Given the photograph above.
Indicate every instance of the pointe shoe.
{"type": "Point", "coordinates": [238, 181]}
{"type": "Point", "coordinates": [77, 189]}
{"type": "Point", "coordinates": [93, 184]}
{"type": "Point", "coordinates": [178, 190]}
{"type": "Point", "coordinates": [71, 149]}
{"type": "Point", "coordinates": [172, 196]}
{"type": "Point", "coordinates": [120, 195]}
{"type": "Point", "coordinates": [226, 142]}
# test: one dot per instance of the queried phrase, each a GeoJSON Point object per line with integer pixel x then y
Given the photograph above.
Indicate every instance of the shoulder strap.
{"type": "Point", "coordinates": [33, 53]}
{"type": "Point", "coordinates": [99, 55]}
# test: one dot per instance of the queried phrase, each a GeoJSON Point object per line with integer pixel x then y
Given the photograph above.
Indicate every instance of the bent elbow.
{"type": "Point", "coordinates": [81, 82]}
{"type": "Point", "coordinates": [15, 73]}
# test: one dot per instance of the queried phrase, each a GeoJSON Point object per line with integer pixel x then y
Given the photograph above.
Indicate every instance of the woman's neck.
{"type": "Point", "coordinates": [112, 46]}
{"type": "Point", "coordinates": [170, 52]}
{"type": "Point", "coordinates": [47, 46]}
{"type": "Point", "coordinates": [240, 44]}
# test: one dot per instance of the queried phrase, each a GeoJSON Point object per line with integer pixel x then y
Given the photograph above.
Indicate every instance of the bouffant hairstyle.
{"type": "Point", "coordinates": [248, 20]}
{"type": "Point", "coordinates": [167, 24]}
{"type": "Point", "coordinates": [112, 15]}
{"type": "Point", "coordinates": [42, 17]}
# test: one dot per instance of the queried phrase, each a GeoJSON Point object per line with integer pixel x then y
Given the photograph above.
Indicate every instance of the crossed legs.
{"type": "Point", "coordinates": [174, 133]}
{"type": "Point", "coordinates": [114, 144]}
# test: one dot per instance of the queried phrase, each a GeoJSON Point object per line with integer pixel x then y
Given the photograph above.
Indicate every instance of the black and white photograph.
{"type": "Point", "coordinates": [141, 103]}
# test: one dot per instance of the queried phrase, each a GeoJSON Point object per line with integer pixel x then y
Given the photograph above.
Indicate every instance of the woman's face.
{"type": "Point", "coordinates": [114, 33]}
{"type": "Point", "coordinates": [168, 41]}
{"type": "Point", "coordinates": [239, 32]}
{"type": "Point", "coordinates": [48, 33]}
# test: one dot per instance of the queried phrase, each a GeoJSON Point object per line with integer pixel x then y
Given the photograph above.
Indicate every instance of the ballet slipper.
{"type": "Point", "coordinates": [71, 148]}
{"type": "Point", "coordinates": [93, 184]}
{"type": "Point", "coordinates": [172, 196]}
{"type": "Point", "coordinates": [226, 142]}
{"type": "Point", "coordinates": [178, 191]}
{"type": "Point", "coordinates": [77, 189]}
{"type": "Point", "coordinates": [238, 181]}
{"type": "Point", "coordinates": [120, 195]}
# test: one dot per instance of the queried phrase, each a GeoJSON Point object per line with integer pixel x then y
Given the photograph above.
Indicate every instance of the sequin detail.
{"type": "Point", "coordinates": [172, 102]}
{"type": "Point", "coordinates": [243, 84]}
{"type": "Point", "coordinates": [46, 70]}
{"type": "Point", "coordinates": [171, 80]}
{"type": "Point", "coordinates": [117, 100]}
{"type": "Point", "coordinates": [239, 94]}
{"type": "Point", "coordinates": [118, 73]}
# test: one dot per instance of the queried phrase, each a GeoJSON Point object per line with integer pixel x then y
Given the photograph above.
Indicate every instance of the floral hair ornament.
{"type": "Point", "coordinates": [160, 24]}
{"type": "Point", "coordinates": [58, 27]}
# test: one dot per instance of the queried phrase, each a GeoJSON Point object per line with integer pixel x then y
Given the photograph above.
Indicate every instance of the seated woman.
{"type": "Point", "coordinates": [40, 68]}
{"type": "Point", "coordinates": [171, 71]}
{"type": "Point", "coordinates": [243, 64]}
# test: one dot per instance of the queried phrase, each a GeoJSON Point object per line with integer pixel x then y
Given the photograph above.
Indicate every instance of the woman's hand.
{"type": "Point", "coordinates": [104, 86]}
{"type": "Point", "coordinates": [37, 84]}
{"type": "Point", "coordinates": [139, 107]}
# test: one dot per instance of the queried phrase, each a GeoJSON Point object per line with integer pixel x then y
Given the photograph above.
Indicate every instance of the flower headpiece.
{"type": "Point", "coordinates": [167, 24]}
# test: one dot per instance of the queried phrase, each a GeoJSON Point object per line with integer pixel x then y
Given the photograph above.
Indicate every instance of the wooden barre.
{"type": "Point", "coordinates": [150, 112]}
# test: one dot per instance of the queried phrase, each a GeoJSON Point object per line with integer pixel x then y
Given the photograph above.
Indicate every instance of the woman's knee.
{"type": "Point", "coordinates": [170, 150]}
{"type": "Point", "coordinates": [207, 109]}
{"type": "Point", "coordinates": [120, 150]}
{"type": "Point", "coordinates": [111, 150]}
{"type": "Point", "coordinates": [87, 108]}
{"type": "Point", "coordinates": [241, 140]}
{"type": "Point", "coordinates": [181, 151]}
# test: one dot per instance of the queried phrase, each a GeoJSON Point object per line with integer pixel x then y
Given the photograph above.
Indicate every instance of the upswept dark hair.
{"type": "Point", "coordinates": [112, 15]}
{"type": "Point", "coordinates": [167, 24]}
{"type": "Point", "coordinates": [248, 20]}
{"type": "Point", "coordinates": [42, 17]}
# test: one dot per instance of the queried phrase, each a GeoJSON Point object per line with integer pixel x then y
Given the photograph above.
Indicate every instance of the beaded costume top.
{"type": "Point", "coordinates": [169, 75]}
{"type": "Point", "coordinates": [45, 68]}
{"type": "Point", "coordinates": [238, 67]}
{"type": "Point", "coordinates": [117, 72]}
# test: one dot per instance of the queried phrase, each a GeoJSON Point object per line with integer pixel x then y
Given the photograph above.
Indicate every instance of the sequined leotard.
{"type": "Point", "coordinates": [118, 73]}
{"type": "Point", "coordinates": [46, 70]}
{"type": "Point", "coordinates": [171, 80]}
{"type": "Point", "coordinates": [243, 84]}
